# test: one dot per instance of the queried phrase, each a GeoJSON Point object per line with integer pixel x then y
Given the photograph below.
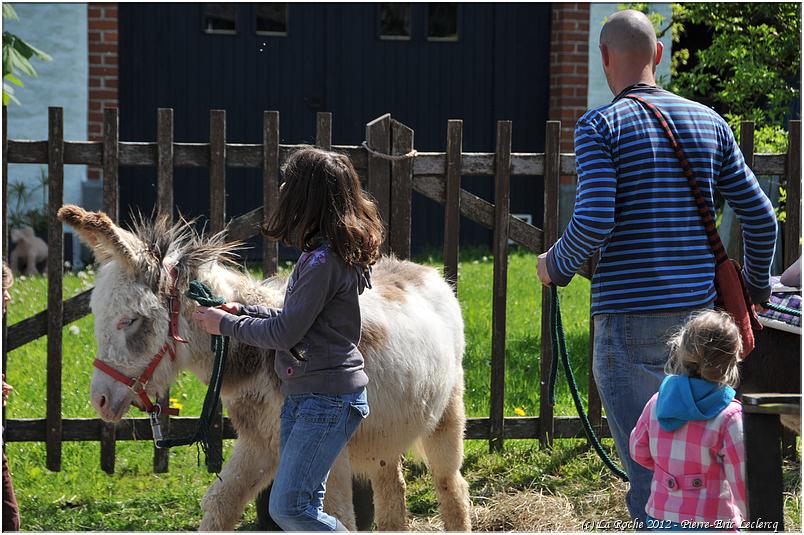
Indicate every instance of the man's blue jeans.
{"type": "Point", "coordinates": [314, 429]}
{"type": "Point", "coordinates": [630, 351]}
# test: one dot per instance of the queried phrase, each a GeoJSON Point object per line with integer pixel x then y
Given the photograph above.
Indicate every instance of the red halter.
{"type": "Point", "coordinates": [138, 385]}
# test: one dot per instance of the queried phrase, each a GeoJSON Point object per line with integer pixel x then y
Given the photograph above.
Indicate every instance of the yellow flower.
{"type": "Point", "coordinates": [519, 411]}
{"type": "Point", "coordinates": [176, 405]}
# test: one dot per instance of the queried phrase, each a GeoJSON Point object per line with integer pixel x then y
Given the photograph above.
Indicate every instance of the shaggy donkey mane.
{"type": "Point", "coordinates": [182, 245]}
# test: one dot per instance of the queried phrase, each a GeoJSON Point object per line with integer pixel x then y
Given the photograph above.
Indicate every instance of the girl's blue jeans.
{"type": "Point", "coordinates": [314, 429]}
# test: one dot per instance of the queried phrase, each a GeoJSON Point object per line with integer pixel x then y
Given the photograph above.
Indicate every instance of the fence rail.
{"type": "Point", "coordinates": [435, 175]}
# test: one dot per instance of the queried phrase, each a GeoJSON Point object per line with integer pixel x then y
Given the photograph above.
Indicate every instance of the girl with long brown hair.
{"type": "Point", "coordinates": [324, 212]}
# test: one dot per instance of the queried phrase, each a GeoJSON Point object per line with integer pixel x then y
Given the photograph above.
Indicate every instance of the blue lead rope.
{"type": "Point", "coordinates": [559, 344]}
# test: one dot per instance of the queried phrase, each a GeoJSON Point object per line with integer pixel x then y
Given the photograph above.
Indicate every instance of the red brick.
{"type": "Point", "coordinates": [94, 81]}
{"type": "Point", "coordinates": [110, 37]}
{"type": "Point", "coordinates": [110, 12]}
{"type": "Point", "coordinates": [110, 59]}
{"type": "Point", "coordinates": [95, 70]}
{"type": "Point", "coordinates": [557, 68]}
{"type": "Point", "coordinates": [105, 94]}
{"type": "Point", "coordinates": [96, 116]}
{"type": "Point", "coordinates": [110, 83]}
{"type": "Point", "coordinates": [102, 47]}
{"type": "Point", "coordinates": [95, 59]}
{"type": "Point", "coordinates": [574, 80]}
{"type": "Point", "coordinates": [98, 24]}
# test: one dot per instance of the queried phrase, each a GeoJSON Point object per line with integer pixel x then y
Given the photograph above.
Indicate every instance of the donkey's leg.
{"type": "Point", "coordinates": [444, 450]}
{"type": "Point", "coordinates": [338, 499]}
{"type": "Point", "coordinates": [249, 470]}
{"type": "Point", "coordinates": [388, 485]}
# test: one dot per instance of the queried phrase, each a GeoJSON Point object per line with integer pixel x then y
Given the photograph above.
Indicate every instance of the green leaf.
{"type": "Point", "coordinates": [13, 79]}
{"type": "Point", "coordinates": [8, 12]}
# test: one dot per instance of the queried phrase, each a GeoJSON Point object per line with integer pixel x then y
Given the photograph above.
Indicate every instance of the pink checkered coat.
{"type": "Point", "coordinates": [698, 469]}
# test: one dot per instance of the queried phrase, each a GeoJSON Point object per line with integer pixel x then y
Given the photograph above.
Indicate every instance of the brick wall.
{"type": "Point", "coordinates": [569, 67]}
{"type": "Point", "coordinates": [102, 44]}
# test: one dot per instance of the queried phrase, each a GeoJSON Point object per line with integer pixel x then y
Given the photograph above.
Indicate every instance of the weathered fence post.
{"type": "Point", "coordinates": [323, 130]}
{"type": "Point", "coordinates": [401, 190]}
{"type": "Point", "coordinates": [164, 203]}
{"type": "Point", "coordinates": [502, 169]}
{"type": "Point", "coordinates": [552, 161]}
{"type": "Point", "coordinates": [5, 231]}
{"type": "Point", "coordinates": [792, 234]}
{"type": "Point", "coordinates": [270, 186]}
{"type": "Point", "coordinates": [378, 174]}
{"type": "Point", "coordinates": [595, 405]}
{"type": "Point", "coordinates": [55, 273]}
{"type": "Point", "coordinates": [734, 240]}
{"type": "Point", "coordinates": [111, 159]}
{"type": "Point", "coordinates": [452, 201]}
{"type": "Point", "coordinates": [217, 219]}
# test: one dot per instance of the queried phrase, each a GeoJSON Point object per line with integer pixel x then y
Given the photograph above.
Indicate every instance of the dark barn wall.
{"type": "Point", "coordinates": [332, 60]}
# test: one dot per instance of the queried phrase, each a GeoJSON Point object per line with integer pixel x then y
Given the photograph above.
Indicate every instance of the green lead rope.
{"type": "Point", "coordinates": [201, 293]}
{"type": "Point", "coordinates": [559, 344]}
{"type": "Point", "coordinates": [782, 309]}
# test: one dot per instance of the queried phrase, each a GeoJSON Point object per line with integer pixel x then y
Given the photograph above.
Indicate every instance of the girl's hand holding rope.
{"type": "Point", "coordinates": [209, 318]}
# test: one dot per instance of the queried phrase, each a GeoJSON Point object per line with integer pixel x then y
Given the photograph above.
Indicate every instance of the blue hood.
{"type": "Point", "coordinates": [683, 398]}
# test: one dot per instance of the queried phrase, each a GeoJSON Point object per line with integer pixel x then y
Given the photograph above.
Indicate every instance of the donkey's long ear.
{"type": "Point", "coordinates": [97, 230]}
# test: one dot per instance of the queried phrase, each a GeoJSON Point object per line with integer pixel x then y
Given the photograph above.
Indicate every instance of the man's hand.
{"type": "Point", "coordinates": [209, 318]}
{"type": "Point", "coordinates": [541, 269]}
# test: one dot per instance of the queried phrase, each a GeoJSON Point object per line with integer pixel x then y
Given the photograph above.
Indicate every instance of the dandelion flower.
{"type": "Point", "coordinates": [519, 411]}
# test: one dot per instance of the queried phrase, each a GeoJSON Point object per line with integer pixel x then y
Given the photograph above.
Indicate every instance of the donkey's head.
{"type": "Point", "coordinates": [140, 272]}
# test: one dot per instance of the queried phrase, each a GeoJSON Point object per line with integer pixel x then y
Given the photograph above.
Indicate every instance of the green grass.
{"type": "Point", "coordinates": [82, 497]}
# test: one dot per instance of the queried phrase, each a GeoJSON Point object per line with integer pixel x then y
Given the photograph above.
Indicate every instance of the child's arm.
{"type": "Point", "coordinates": [732, 454]}
{"type": "Point", "coordinates": [639, 444]}
{"type": "Point", "coordinates": [258, 311]}
{"type": "Point", "coordinates": [314, 287]}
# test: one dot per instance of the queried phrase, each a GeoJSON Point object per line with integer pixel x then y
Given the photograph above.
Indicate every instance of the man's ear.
{"type": "Point", "coordinates": [604, 55]}
{"type": "Point", "coordinates": [659, 50]}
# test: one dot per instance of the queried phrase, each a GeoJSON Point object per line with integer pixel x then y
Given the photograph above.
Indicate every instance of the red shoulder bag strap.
{"type": "Point", "coordinates": [709, 223]}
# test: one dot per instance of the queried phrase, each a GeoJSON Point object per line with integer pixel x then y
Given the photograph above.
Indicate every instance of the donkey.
{"type": "Point", "coordinates": [412, 341]}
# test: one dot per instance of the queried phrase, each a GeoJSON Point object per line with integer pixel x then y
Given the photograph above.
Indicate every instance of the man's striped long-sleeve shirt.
{"type": "Point", "coordinates": [635, 205]}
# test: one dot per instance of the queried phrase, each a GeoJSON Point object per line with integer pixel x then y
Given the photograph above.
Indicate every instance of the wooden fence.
{"type": "Point", "coordinates": [391, 180]}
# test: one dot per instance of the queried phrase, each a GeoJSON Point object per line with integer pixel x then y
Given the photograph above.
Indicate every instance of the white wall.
{"type": "Point", "coordinates": [61, 31]}
{"type": "Point", "coordinates": [599, 92]}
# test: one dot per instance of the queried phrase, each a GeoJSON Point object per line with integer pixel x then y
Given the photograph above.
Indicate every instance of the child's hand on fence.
{"type": "Point", "coordinates": [209, 318]}
{"type": "Point", "coordinates": [7, 389]}
{"type": "Point", "coordinates": [232, 308]}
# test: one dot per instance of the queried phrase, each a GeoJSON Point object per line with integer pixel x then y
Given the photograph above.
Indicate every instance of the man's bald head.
{"type": "Point", "coordinates": [630, 33]}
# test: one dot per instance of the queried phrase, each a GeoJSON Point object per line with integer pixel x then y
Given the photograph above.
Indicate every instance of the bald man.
{"type": "Point", "coordinates": [635, 206]}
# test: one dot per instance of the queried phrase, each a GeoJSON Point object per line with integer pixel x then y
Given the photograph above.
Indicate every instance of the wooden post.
{"type": "Point", "coordinates": [217, 219]}
{"type": "Point", "coordinates": [323, 130]}
{"type": "Point", "coordinates": [763, 468]}
{"type": "Point", "coordinates": [164, 148]}
{"type": "Point", "coordinates": [108, 443]}
{"type": "Point", "coordinates": [111, 185]}
{"type": "Point", "coordinates": [500, 247]}
{"type": "Point", "coordinates": [792, 230]}
{"type": "Point", "coordinates": [552, 157]}
{"type": "Point", "coordinates": [55, 273]}
{"type": "Point", "coordinates": [378, 138]}
{"type": "Point", "coordinates": [401, 190]}
{"type": "Point", "coordinates": [452, 202]}
{"type": "Point", "coordinates": [164, 203]}
{"type": "Point", "coordinates": [111, 154]}
{"type": "Point", "coordinates": [270, 186]}
{"type": "Point", "coordinates": [5, 231]}
{"type": "Point", "coordinates": [734, 240]}
{"type": "Point", "coordinates": [595, 406]}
